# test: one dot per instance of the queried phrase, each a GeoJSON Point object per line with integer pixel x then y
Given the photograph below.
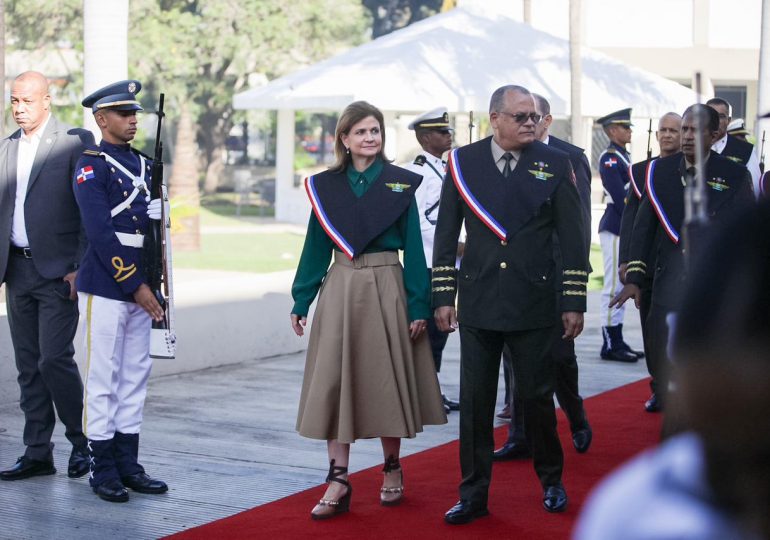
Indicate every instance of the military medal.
{"type": "Point", "coordinates": [539, 173]}
{"type": "Point", "coordinates": [398, 187]}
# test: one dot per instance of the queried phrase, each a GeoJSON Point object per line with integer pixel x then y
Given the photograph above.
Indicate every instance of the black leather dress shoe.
{"type": "Point", "coordinates": [464, 512]}
{"type": "Point", "coordinates": [581, 439]}
{"type": "Point", "coordinates": [78, 464]}
{"type": "Point", "coordinates": [638, 354]}
{"type": "Point", "coordinates": [452, 405]}
{"type": "Point", "coordinates": [514, 450]}
{"type": "Point", "coordinates": [555, 498]}
{"type": "Point", "coordinates": [27, 468]}
{"type": "Point", "coordinates": [112, 491]}
{"type": "Point", "coordinates": [654, 404]}
{"type": "Point", "coordinates": [143, 483]}
{"type": "Point", "coordinates": [619, 355]}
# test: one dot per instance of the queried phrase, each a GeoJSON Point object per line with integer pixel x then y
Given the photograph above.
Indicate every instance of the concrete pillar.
{"type": "Point", "coordinates": [105, 43]}
{"type": "Point", "coordinates": [284, 165]}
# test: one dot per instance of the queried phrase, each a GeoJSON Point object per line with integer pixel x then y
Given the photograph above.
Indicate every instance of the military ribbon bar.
{"type": "Point", "coordinates": [470, 200]}
{"type": "Point", "coordinates": [323, 219]}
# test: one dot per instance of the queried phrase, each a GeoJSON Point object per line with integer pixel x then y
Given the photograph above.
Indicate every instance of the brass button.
{"type": "Point", "coordinates": [503, 265]}
{"type": "Point", "coordinates": [138, 231]}
{"type": "Point", "coordinates": [112, 169]}
{"type": "Point", "coordinates": [128, 207]}
{"type": "Point", "coordinates": [134, 218]}
{"type": "Point", "coordinates": [503, 243]}
{"type": "Point", "coordinates": [125, 193]}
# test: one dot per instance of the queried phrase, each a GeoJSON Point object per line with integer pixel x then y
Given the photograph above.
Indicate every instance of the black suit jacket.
{"type": "Point", "coordinates": [506, 283]}
{"type": "Point", "coordinates": [56, 237]}
{"type": "Point", "coordinates": [661, 214]}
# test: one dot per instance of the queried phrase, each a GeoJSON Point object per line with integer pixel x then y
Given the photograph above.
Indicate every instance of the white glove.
{"type": "Point", "coordinates": [153, 209]}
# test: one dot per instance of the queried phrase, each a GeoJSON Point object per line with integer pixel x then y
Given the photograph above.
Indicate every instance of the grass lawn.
{"type": "Point", "coordinates": [596, 279]}
{"type": "Point", "coordinates": [240, 251]}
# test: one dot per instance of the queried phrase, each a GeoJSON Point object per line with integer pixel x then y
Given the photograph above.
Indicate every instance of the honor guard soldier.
{"type": "Point", "coordinates": [615, 171]}
{"type": "Point", "coordinates": [659, 222]}
{"type": "Point", "coordinates": [435, 137]}
{"type": "Point", "coordinates": [513, 193]}
{"type": "Point", "coordinates": [116, 304]}
{"type": "Point", "coordinates": [731, 147]}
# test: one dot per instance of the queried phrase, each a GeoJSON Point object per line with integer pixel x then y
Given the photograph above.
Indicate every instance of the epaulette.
{"type": "Point", "coordinates": [90, 152]}
{"type": "Point", "coordinates": [420, 160]}
{"type": "Point", "coordinates": [611, 150]}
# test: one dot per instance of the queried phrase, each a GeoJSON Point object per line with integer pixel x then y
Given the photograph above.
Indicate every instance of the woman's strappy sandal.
{"type": "Point", "coordinates": [327, 508]}
{"type": "Point", "coordinates": [391, 496]}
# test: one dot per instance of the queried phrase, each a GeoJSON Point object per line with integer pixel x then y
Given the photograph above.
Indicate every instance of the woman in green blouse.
{"type": "Point", "coordinates": [369, 370]}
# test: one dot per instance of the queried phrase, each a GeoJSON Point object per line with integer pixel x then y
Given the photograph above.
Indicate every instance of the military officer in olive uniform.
{"type": "Point", "coordinates": [116, 304]}
{"type": "Point", "coordinates": [513, 193]}
{"type": "Point", "coordinates": [615, 171]}
{"type": "Point", "coordinates": [656, 236]}
{"type": "Point", "coordinates": [435, 137]}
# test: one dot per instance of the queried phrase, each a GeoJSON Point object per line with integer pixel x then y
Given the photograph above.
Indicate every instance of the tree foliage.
{"type": "Point", "coordinates": [390, 15]}
{"type": "Point", "coordinates": [203, 51]}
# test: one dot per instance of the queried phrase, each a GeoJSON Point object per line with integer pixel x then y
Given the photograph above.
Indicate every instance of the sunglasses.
{"type": "Point", "coordinates": [520, 118]}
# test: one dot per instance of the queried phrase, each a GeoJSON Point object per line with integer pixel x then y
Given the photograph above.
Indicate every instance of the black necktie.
{"type": "Point", "coordinates": [507, 167]}
{"type": "Point", "coordinates": [690, 176]}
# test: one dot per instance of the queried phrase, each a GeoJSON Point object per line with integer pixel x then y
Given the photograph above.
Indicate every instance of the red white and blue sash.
{"type": "Point", "coordinates": [662, 217]}
{"type": "Point", "coordinates": [324, 220]}
{"type": "Point", "coordinates": [470, 200]}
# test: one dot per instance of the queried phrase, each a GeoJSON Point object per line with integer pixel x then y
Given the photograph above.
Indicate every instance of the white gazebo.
{"type": "Point", "coordinates": [455, 59]}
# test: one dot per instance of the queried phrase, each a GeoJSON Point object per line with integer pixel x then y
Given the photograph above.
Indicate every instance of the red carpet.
{"type": "Point", "coordinates": [621, 429]}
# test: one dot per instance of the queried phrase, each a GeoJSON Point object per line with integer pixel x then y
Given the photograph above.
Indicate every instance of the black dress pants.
{"type": "Point", "coordinates": [479, 373]}
{"type": "Point", "coordinates": [43, 324]}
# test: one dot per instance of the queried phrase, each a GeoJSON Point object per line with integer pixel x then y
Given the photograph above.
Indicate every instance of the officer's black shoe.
{"type": "Point", "coordinates": [112, 491]}
{"type": "Point", "coordinates": [26, 468]}
{"type": "Point", "coordinates": [555, 498]}
{"type": "Point", "coordinates": [452, 405]}
{"type": "Point", "coordinates": [464, 512]}
{"type": "Point", "coordinates": [638, 354]}
{"type": "Point", "coordinates": [78, 464]}
{"type": "Point", "coordinates": [619, 355]}
{"type": "Point", "coordinates": [581, 439]}
{"type": "Point", "coordinates": [654, 404]}
{"type": "Point", "coordinates": [511, 450]}
{"type": "Point", "coordinates": [143, 483]}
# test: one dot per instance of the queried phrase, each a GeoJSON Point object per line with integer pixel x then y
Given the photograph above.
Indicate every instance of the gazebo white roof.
{"type": "Point", "coordinates": [457, 59]}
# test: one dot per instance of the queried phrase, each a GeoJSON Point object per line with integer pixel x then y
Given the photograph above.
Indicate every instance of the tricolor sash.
{"type": "Point", "coordinates": [353, 222]}
{"type": "Point", "coordinates": [481, 212]}
{"type": "Point", "coordinates": [663, 217]}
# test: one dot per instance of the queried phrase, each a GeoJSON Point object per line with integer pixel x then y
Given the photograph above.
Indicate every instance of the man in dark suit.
{"type": "Point", "coordinates": [41, 243]}
{"type": "Point", "coordinates": [669, 141]}
{"type": "Point", "coordinates": [512, 192]}
{"type": "Point", "coordinates": [563, 350]}
{"type": "Point", "coordinates": [732, 147]}
{"type": "Point", "coordinates": [659, 222]}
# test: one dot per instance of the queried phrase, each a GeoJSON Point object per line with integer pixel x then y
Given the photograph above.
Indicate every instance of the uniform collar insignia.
{"type": "Point", "coordinates": [540, 174]}
{"type": "Point", "coordinates": [397, 187]}
{"type": "Point", "coordinates": [718, 184]}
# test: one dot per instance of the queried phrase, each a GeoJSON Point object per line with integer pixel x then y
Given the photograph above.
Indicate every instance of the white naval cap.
{"type": "Point", "coordinates": [435, 119]}
{"type": "Point", "coordinates": [737, 127]}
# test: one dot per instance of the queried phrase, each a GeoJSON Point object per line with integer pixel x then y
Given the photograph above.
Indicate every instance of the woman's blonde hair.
{"type": "Point", "coordinates": [353, 114]}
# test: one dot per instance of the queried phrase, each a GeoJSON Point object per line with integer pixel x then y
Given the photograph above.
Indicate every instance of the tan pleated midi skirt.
{"type": "Point", "coordinates": [364, 377]}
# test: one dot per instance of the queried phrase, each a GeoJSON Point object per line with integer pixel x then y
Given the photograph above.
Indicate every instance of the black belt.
{"type": "Point", "coordinates": [21, 251]}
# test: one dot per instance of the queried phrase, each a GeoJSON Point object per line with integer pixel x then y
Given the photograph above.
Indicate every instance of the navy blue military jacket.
{"type": "Point", "coordinates": [660, 220]}
{"type": "Point", "coordinates": [110, 268]}
{"type": "Point", "coordinates": [615, 171]}
{"type": "Point", "coordinates": [737, 150]}
{"type": "Point", "coordinates": [507, 276]}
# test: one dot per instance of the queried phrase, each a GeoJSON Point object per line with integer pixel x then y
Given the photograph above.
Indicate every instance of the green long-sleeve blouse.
{"type": "Point", "coordinates": [404, 235]}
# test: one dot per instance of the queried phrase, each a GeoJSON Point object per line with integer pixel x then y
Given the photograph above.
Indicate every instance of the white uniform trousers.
{"type": "Point", "coordinates": [117, 354]}
{"type": "Point", "coordinates": [612, 285]}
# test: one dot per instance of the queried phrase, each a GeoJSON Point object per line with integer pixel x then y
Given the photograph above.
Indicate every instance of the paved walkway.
{"type": "Point", "coordinates": [224, 440]}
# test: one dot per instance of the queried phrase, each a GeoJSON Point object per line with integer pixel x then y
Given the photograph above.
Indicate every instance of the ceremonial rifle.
{"type": "Point", "coordinates": [762, 154]}
{"type": "Point", "coordinates": [471, 126]}
{"type": "Point", "coordinates": [158, 247]}
{"type": "Point", "coordinates": [649, 141]}
{"type": "Point", "coordinates": [695, 203]}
